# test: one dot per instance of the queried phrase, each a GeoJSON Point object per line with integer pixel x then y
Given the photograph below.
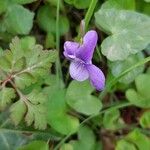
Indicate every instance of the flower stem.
{"type": "Point", "coordinates": [58, 64]}
{"type": "Point", "coordinates": [90, 13]}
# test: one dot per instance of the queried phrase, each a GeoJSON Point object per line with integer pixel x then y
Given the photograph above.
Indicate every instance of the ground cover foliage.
{"type": "Point", "coordinates": [42, 107]}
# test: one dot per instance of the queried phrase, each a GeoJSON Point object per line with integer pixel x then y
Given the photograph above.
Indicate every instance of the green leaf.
{"type": "Point", "coordinates": [18, 20]}
{"type": "Point", "coordinates": [143, 7]}
{"type": "Point", "coordinates": [5, 64]}
{"type": "Point", "coordinates": [46, 18]}
{"type": "Point", "coordinates": [86, 139]}
{"type": "Point", "coordinates": [129, 32]}
{"type": "Point", "coordinates": [6, 96]}
{"type": "Point", "coordinates": [11, 140]}
{"type": "Point", "coordinates": [16, 49]}
{"type": "Point", "coordinates": [3, 5]}
{"type": "Point", "coordinates": [145, 120]}
{"type": "Point", "coordinates": [40, 145]}
{"type": "Point", "coordinates": [66, 147]}
{"type": "Point", "coordinates": [23, 80]}
{"type": "Point", "coordinates": [141, 141]}
{"type": "Point", "coordinates": [19, 64]}
{"type": "Point", "coordinates": [36, 110]}
{"type": "Point", "coordinates": [140, 97]}
{"type": "Point", "coordinates": [27, 43]}
{"type": "Point", "coordinates": [112, 120]}
{"type": "Point", "coordinates": [117, 67]}
{"type": "Point", "coordinates": [36, 114]}
{"type": "Point", "coordinates": [23, 1]}
{"type": "Point", "coordinates": [79, 97]}
{"type": "Point", "coordinates": [37, 97]}
{"type": "Point", "coordinates": [125, 145]}
{"type": "Point", "coordinates": [50, 41]}
{"type": "Point", "coordinates": [79, 4]}
{"type": "Point", "coordinates": [57, 114]}
{"type": "Point", "coordinates": [17, 110]}
{"type": "Point", "coordinates": [119, 4]}
{"type": "Point", "coordinates": [148, 1]}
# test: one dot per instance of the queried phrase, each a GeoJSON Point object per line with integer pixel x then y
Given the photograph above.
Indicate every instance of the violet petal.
{"type": "Point", "coordinates": [96, 77]}
{"type": "Point", "coordinates": [78, 71]}
{"type": "Point", "coordinates": [89, 44]}
{"type": "Point", "coordinates": [70, 48]}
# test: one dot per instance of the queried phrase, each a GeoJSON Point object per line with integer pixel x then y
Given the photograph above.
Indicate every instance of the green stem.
{"type": "Point", "coordinates": [58, 64]}
{"type": "Point", "coordinates": [118, 106]}
{"type": "Point", "coordinates": [87, 19]}
{"type": "Point", "coordinates": [90, 13]}
{"type": "Point", "coordinates": [113, 82]}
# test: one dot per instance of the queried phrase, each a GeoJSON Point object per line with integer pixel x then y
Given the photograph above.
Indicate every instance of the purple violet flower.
{"type": "Point", "coordinates": [80, 55]}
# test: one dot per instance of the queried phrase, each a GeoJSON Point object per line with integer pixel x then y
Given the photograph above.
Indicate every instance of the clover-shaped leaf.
{"type": "Point", "coordinates": [79, 97]}
{"type": "Point", "coordinates": [145, 119]}
{"type": "Point", "coordinates": [117, 67]}
{"type": "Point", "coordinates": [18, 23]}
{"type": "Point", "coordinates": [141, 96]}
{"type": "Point", "coordinates": [23, 1]}
{"type": "Point", "coordinates": [125, 145]}
{"type": "Point", "coordinates": [112, 120]}
{"type": "Point", "coordinates": [86, 139]}
{"type": "Point", "coordinates": [139, 139]}
{"type": "Point", "coordinates": [79, 4]}
{"type": "Point", "coordinates": [119, 4]}
{"type": "Point", "coordinates": [129, 32]}
{"type": "Point", "coordinates": [41, 145]}
{"type": "Point", "coordinates": [47, 21]}
{"type": "Point", "coordinates": [134, 140]}
{"type": "Point", "coordinates": [57, 114]}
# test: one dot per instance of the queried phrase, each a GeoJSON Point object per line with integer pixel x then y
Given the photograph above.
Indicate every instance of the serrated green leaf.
{"type": "Point", "coordinates": [57, 114]}
{"type": "Point", "coordinates": [23, 1]}
{"type": "Point", "coordinates": [47, 21]}
{"type": "Point", "coordinates": [6, 96]}
{"type": "Point", "coordinates": [117, 67]}
{"type": "Point", "coordinates": [18, 20]}
{"type": "Point", "coordinates": [129, 32]}
{"type": "Point", "coordinates": [86, 139]}
{"type": "Point", "coordinates": [19, 64]}
{"type": "Point", "coordinates": [36, 114]}
{"type": "Point", "coordinates": [24, 79]}
{"type": "Point", "coordinates": [27, 43]}
{"type": "Point", "coordinates": [5, 64]}
{"type": "Point", "coordinates": [39, 145]}
{"type": "Point", "coordinates": [119, 4]}
{"type": "Point", "coordinates": [37, 97]}
{"type": "Point", "coordinates": [79, 97]}
{"type": "Point", "coordinates": [145, 120]}
{"type": "Point", "coordinates": [18, 110]}
{"type": "Point", "coordinates": [140, 97]}
{"type": "Point", "coordinates": [112, 120]}
{"type": "Point", "coordinates": [16, 49]}
{"type": "Point", "coordinates": [125, 145]}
